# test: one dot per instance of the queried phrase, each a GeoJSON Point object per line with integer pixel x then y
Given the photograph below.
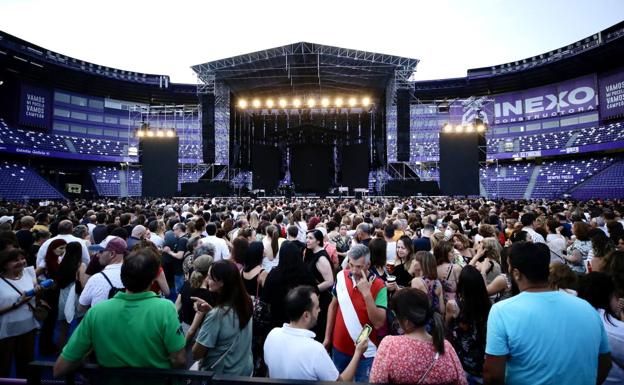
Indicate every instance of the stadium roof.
{"type": "Point", "coordinates": [305, 68]}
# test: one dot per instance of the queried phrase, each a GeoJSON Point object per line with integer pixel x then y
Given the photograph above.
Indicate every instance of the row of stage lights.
{"type": "Point", "coordinates": [155, 133]}
{"type": "Point", "coordinates": [460, 129]}
{"type": "Point", "coordinates": [309, 103]}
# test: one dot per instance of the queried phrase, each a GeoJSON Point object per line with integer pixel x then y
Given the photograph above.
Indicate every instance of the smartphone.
{"type": "Point", "coordinates": [366, 331]}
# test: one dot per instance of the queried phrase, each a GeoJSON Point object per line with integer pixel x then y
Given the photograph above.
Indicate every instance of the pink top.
{"type": "Point", "coordinates": [403, 360]}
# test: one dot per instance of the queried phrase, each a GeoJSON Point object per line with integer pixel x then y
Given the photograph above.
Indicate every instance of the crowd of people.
{"type": "Point", "coordinates": [382, 290]}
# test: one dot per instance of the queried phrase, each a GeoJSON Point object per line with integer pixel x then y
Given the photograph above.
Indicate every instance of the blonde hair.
{"type": "Point", "coordinates": [428, 265]}
{"type": "Point", "coordinates": [492, 249]}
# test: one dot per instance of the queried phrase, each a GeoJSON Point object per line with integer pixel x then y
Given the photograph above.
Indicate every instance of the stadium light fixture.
{"type": "Point", "coordinates": [448, 127]}
{"type": "Point", "coordinates": [170, 133]}
{"type": "Point", "coordinates": [366, 101]}
{"type": "Point", "coordinates": [242, 103]}
{"type": "Point", "coordinates": [339, 102]}
{"type": "Point", "coordinates": [283, 103]}
{"type": "Point", "coordinates": [459, 128]}
{"type": "Point", "coordinates": [269, 103]}
{"type": "Point", "coordinates": [256, 103]}
{"type": "Point", "coordinates": [160, 133]}
{"type": "Point", "coordinates": [352, 102]}
{"type": "Point", "coordinates": [311, 103]}
{"type": "Point", "coordinates": [296, 102]}
{"type": "Point", "coordinates": [150, 133]}
{"type": "Point", "coordinates": [480, 128]}
{"type": "Point", "coordinates": [470, 128]}
{"type": "Point", "coordinates": [140, 133]}
{"type": "Point", "coordinates": [325, 102]}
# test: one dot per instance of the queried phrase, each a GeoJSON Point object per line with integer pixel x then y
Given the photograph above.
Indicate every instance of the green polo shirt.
{"type": "Point", "coordinates": [128, 330]}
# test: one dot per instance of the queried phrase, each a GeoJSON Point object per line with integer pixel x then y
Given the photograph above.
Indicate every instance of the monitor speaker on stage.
{"type": "Point", "coordinates": [159, 160]}
{"type": "Point", "coordinates": [459, 163]}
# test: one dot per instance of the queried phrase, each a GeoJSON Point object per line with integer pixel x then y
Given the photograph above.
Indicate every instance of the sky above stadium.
{"type": "Point", "coordinates": [167, 37]}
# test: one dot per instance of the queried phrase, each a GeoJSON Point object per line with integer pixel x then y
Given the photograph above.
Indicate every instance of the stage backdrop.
{"type": "Point", "coordinates": [266, 163]}
{"type": "Point", "coordinates": [311, 168]}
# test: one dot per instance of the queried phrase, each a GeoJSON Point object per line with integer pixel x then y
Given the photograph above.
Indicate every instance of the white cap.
{"type": "Point", "coordinates": [5, 219]}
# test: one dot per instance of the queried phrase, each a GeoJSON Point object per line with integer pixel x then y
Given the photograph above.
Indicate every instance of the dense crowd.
{"type": "Point", "coordinates": [381, 290]}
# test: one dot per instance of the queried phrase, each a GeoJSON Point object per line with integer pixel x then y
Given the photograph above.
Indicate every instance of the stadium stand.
{"type": "Point", "coordinates": [20, 182]}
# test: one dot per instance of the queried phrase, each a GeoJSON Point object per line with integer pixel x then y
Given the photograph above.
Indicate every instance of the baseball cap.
{"type": "Point", "coordinates": [5, 219]}
{"type": "Point", "coordinates": [117, 245]}
{"type": "Point", "coordinates": [202, 263]}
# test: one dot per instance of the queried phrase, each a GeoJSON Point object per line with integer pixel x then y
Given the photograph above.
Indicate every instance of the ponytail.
{"type": "Point", "coordinates": [274, 239]}
{"type": "Point", "coordinates": [437, 332]}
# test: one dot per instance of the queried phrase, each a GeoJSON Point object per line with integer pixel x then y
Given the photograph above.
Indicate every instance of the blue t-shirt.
{"type": "Point", "coordinates": [548, 338]}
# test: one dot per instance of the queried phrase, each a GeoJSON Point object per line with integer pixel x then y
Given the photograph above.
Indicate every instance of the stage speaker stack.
{"type": "Point", "coordinates": [159, 161]}
{"type": "Point", "coordinates": [459, 163]}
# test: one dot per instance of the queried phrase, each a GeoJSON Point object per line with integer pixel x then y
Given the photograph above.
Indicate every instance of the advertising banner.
{"type": "Point", "coordinates": [35, 107]}
{"type": "Point", "coordinates": [565, 98]}
{"type": "Point", "coordinates": [611, 93]}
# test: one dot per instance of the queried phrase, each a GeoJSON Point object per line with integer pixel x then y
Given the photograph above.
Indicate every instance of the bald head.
{"type": "Point", "coordinates": [65, 227]}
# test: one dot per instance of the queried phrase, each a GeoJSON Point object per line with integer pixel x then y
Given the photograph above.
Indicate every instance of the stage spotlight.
{"type": "Point", "coordinates": [150, 134]}
{"type": "Point", "coordinates": [352, 102]}
{"type": "Point", "coordinates": [448, 127]}
{"type": "Point", "coordinates": [242, 103]}
{"type": "Point", "coordinates": [256, 103]}
{"type": "Point", "coordinates": [283, 103]}
{"type": "Point", "coordinates": [366, 101]}
{"type": "Point", "coordinates": [311, 103]}
{"type": "Point", "coordinates": [325, 102]}
{"type": "Point", "coordinates": [297, 103]}
{"type": "Point", "coordinates": [480, 128]}
{"type": "Point", "coordinates": [170, 133]}
{"type": "Point", "coordinates": [339, 102]}
{"type": "Point", "coordinates": [160, 133]}
{"type": "Point", "coordinates": [269, 103]}
{"type": "Point", "coordinates": [469, 128]}
{"type": "Point", "coordinates": [140, 133]}
{"type": "Point", "coordinates": [459, 128]}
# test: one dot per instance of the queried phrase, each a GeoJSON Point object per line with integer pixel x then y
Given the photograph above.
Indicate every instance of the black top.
{"type": "Point", "coordinates": [310, 261]}
{"type": "Point", "coordinates": [99, 233]}
{"type": "Point", "coordinates": [251, 285]}
{"type": "Point", "coordinates": [403, 278]}
{"type": "Point", "coordinates": [172, 264]}
{"type": "Point", "coordinates": [187, 312]}
{"type": "Point", "coordinates": [276, 286]}
{"type": "Point", "coordinates": [25, 239]}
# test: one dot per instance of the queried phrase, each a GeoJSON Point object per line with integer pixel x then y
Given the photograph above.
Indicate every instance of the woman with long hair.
{"type": "Point", "coordinates": [289, 273]}
{"type": "Point", "coordinates": [578, 252]}
{"type": "Point", "coordinates": [599, 290]}
{"type": "Point", "coordinates": [224, 340]}
{"type": "Point", "coordinates": [428, 281]}
{"type": "Point", "coordinates": [417, 357]}
{"type": "Point", "coordinates": [271, 245]}
{"type": "Point", "coordinates": [318, 263]}
{"type": "Point", "coordinates": [70, 276]}
{"type": "Point", "coordinates": [448, 272]}
{"type": "Point", "coordinates": [253, 273]}
{"type": "Point", "coordinates": [405, 268]}
{"type": "Point", "coordinates": [467, 322]}
{"type": "Point", "coordinates": [49, 267]}
{"type": "Point", "coordinates": [239, 251]}
{"type": "Point", "coordinates": [487, 260]}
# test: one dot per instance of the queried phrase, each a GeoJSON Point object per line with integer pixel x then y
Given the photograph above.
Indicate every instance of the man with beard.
{"type": "Point", "coordinates": [542, 336]}
{"type": "Point", "coordinates": [359, 299]}
{"type": "Point", "coordinates": [291, 352]}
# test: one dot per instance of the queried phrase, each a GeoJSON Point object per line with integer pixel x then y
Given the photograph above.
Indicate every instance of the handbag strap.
{"type": "Point", "coordinates": [225, 353]}
{"type": "Point", "coordinates": [422, 378]}
{"type": "Point", "coordinates": [18, 292]}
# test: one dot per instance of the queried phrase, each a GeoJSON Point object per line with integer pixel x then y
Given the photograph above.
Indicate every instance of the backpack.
{"type": "Point", "coordinates": [113, 290]}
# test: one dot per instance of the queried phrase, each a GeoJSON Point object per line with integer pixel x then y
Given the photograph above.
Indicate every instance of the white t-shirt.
{"type": "Point", "coordinates": [157, 240]}
{"type": "Point", "coordinates": [293, 354]}
{"type": "Point", "coordinates": [97, 288]}
{"type": "Point", "coordinates": [390, 252]}
{"type": "Point", "coordinates": [556, 243]}
{"type": "Point", "coordinates": [221, 249]}
{"type": "Point", "coordinates": [20, 320]}
{"type": "Point", "coordinates": [67, 238]}
{"type": "Point", "coordinates": [615, 334]}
